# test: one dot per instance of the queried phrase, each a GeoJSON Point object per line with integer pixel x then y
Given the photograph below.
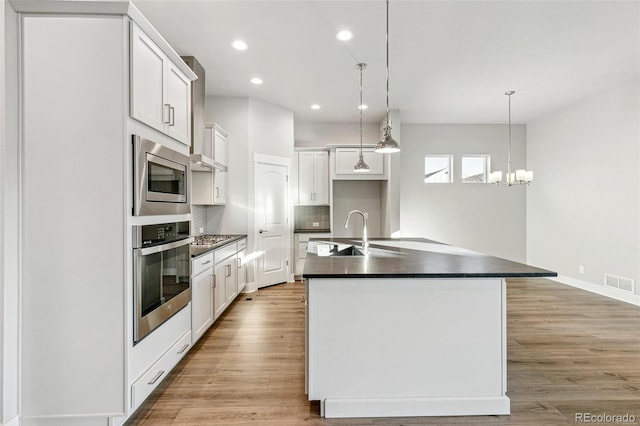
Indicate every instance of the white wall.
{"type": "Point", "coordinates": [583, 208]}
{"type": "Point", "coordinates": [480, 217]}
{"type": "Point", "coordinates": [323, 134]}
{"type": "Point", "coordinates": [233, 115]}
{"type": "Point", "coordinates": [9, 247]}
{"type": "Point", "coordinates": [363, 195]}
{"type": "Point", "coordinates": [254, 127]}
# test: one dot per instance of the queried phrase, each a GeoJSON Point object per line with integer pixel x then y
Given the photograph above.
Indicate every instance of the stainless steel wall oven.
{"type": "Point", "coordinates": [162, 274]}
{"type": "Point", "coordinates": [161, 177]}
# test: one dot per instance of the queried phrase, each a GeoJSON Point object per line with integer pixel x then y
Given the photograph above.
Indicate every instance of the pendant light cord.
{"type": "Point", "coordinates": [361, 66]}
{"type": "Point", "coordinates": [509, 180]}
{"type": "Point", "coordinates": [387, 64]}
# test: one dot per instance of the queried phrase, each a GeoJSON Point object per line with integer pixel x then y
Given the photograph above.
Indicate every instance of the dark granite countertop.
{"type": "Point", "coordinates": [199, 250]}
{"type": "Point", "coordinates": [411, 258]}
{"type": "Point", "coordinates": [312, 231]}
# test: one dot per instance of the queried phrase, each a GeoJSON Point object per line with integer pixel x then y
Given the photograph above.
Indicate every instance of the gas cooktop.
{"type": "Point", "coordinates": [210, 240]}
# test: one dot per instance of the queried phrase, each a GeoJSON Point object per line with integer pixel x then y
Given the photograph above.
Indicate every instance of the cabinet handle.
{"type": "Point", "coordinates": [228, 274]}
{"type": "Point", "coordinates": [217, 192]}
{"type": "Point", "coordinates": [156, 377]}
{"type": "Point", "coordinates": [168, 114]}
{"type": "Point", "coordinates": [172, 116]}
{"type": "Point", "coordinates": [207, 262]}
{"type": "Point", "coordinates": [184, 348]}
{"type": "Point", "coordinates": [214, 282]}
{"type": "Point", "coordinates": [239, 263]}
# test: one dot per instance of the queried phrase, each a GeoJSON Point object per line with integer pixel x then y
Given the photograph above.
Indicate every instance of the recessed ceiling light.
{"type": "Point", "coordinates": [256, 80]}
{"type": "Point", "coordinates": [239, 45]}
{"type": "Point", "coordinates": [363, 106]}
{"type": "Point", "coordinates": [315, 106]}
{"type": "Point", "coordinates": [344, 35]}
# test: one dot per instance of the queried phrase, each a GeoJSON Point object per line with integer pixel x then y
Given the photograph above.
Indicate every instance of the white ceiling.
{"type": "Point", "coordinates": [450, 61]}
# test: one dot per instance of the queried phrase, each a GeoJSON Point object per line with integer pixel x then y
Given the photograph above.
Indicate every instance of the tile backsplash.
{"type": "Point", "coordinates": [312, 218]}
{"type": "Point", "coordinates": [198, 219]}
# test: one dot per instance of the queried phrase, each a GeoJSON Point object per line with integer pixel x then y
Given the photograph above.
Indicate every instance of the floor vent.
{"type": "Point", "coordinates": [621, 283]}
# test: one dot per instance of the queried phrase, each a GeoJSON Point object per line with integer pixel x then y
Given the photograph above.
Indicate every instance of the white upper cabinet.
{"type": "Point", "coordinates": [160, 92]}
{"type": "Point", "coordinates": [313, 178]}
{"type": "Point", "coordinates": [179, 101]}
{"type": "Point", "coordinates": [209, 171]}
{"type": "Point", "coordinates": [347, 157]}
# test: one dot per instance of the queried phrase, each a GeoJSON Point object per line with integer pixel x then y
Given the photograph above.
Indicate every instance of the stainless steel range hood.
{"type": "Point", "coordinates": [199, 161]}
{"type": "Point", "coordinates": [203, 163]}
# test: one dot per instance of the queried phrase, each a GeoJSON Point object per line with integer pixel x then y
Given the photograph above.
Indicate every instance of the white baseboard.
{"type": "Point", "coordinates": [408, 407]}
{"type": "Point", "coordinates": [250, 287]}
{"type": "Point", "coordinates": [612, 293]}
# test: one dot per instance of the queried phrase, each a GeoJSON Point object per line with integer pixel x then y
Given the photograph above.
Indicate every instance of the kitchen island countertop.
{"type": "Point", "coordinates": [411, 258]}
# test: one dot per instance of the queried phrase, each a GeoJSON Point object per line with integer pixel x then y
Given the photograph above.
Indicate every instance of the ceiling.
{"type": "Point", "coordinates": [449, 61]}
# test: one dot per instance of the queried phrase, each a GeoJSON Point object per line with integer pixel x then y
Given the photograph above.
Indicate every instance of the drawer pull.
{"type": "Point", "coordinates": [184, 348]}
{"type": "Point", "coordinates": [172, 116]}
{"type": "Point", "coordinates": [168, 114]}
{"type": "Point", "coordinates": [156, 377]}
{"type": "Point", "coordinates": [207, 262]}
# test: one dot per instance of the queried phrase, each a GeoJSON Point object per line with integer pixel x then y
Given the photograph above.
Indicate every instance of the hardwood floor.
{"type": "Point", "coordinates": [569, 352]}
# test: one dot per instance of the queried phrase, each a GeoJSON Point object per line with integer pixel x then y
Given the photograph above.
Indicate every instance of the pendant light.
{"type": "Point", "coordinates": [361, 166]}
{"type": "Point", "coordinates": [387, 144]}
{"type": "Point", "coordinates": [521, 176]}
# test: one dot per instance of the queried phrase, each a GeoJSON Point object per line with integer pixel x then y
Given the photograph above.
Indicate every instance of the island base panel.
{"type": "Point", "coordinates": [410, 407]}
{"type": "Point", "coordinates": [412, 347]}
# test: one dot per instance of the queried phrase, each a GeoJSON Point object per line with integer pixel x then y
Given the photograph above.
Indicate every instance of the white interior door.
{"type": "Point", "coordinates": [272, 220]}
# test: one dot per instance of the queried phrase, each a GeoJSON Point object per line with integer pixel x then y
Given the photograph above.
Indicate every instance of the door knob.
{"type": "Point", "coordinates": [262, 230]}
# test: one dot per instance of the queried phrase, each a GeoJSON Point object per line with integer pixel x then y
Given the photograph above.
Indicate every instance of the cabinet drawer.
{"type": "Point", "coordinates": [242, 244]}
{"type": "Point", "coordinates": [142, 387]}
{"type": "Point", "coordinates": [201, 263]}
{"type": "Point", "coordinates": [225, 252]}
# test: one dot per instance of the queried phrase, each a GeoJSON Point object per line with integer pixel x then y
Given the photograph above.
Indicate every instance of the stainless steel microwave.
{"type": "Point", "coordinates": [161, 179]}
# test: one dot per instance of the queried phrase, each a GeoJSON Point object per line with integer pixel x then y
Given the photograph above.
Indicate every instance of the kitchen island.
{"type": "Point", "coordinates": [413, 328]}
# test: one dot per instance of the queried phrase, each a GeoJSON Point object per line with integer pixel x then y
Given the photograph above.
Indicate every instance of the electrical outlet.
{"type": "Point", "coordinates": [581, 269]}
{"type": "Point", "coordinates": [316, 224]}
{"type": "Point", "coordinates": [201, 230]}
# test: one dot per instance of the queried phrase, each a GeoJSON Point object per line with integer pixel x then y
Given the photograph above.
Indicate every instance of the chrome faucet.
{"type": "Point", "coordinates": [365, 241]}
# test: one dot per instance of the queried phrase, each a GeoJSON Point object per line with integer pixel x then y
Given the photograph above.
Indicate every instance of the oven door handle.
{"type": "Point", "coordinates": [157, 249]}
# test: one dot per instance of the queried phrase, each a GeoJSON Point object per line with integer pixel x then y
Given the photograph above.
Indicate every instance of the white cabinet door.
{"type": "Point", "coordinates": [179, 101]}
{"type": "Point", "coordinates": [313, 178]}
{"type": "Point", "coordinates": [220, 187]}
{"type": "Point", "coordinates": [219, 145]}
{"type": "Point", "coordinates": [160, 92]}
{"type": "Point", "coordinates": [242, 270]}
{"type": "Point", "coordinates": [231, 283]}
{"type": "Point", "coordinates": [147, 81]}
{"type": "Point", "coordinates": [321, 177]}
{"type": "Point", "coordinates": [201, 303]}
{"type": "Point", "coordinates": [305, 178]}
{"type": "Point", "coordinates": [202, 190]}
{"type": "Point", "coordinates": [220, 298]}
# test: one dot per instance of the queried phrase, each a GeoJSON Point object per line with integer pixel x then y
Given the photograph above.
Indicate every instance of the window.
{"type": "Point", "coordinates": [438, 169]}
{"type": "Point", "coordinates": [474, 168]}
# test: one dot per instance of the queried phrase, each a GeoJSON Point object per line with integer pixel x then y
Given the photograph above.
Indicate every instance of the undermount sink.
{"type": "Point", "coordinates": [349, 251]}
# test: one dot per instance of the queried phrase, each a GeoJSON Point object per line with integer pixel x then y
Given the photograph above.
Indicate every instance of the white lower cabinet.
{"type": "Point", "coordinates": [142, 387]}
{"type": "Point", "coordinates": [202, 295]}
{"type": "Point", "coordinates": [217, 279]}
{"type": "Point", "coordinates": [242, 269]}
{"type": "Point", "coordinates": [301, 241]}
